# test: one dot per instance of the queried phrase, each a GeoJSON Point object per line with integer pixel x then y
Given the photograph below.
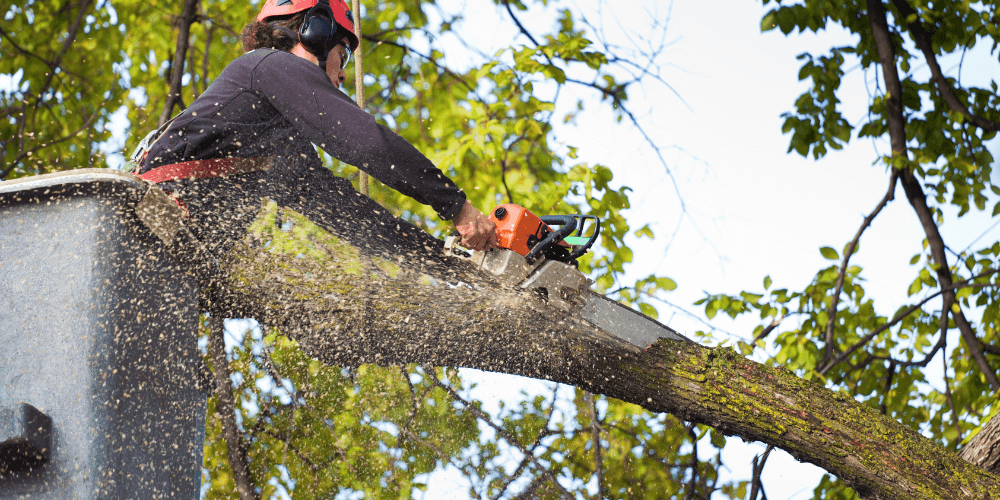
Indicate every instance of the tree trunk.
{"type": "Point", "coordinates": [984, 448]}
{"type": "Point", "coordinates": [189, 14]}
{"type": "Point", "coordinates": [320, 298]}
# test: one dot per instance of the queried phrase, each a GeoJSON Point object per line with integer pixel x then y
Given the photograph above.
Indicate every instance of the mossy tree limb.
{"type": "Point", "coordinates": [403, 320]}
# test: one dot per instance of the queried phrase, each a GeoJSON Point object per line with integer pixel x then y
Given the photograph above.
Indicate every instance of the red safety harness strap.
{"type": "Point", "coordinates": [203, 169]}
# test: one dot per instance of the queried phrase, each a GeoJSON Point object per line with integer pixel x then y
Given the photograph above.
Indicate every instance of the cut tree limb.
{"type": "Point", "coordinates": [313, 300]}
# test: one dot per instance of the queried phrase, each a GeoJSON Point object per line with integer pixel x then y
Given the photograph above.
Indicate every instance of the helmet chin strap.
{"type": "Point", "coordinates": [320, 58]}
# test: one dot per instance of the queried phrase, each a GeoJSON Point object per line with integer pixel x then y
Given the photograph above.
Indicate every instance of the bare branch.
{"type": "Point", "coordinates": [835, 299]}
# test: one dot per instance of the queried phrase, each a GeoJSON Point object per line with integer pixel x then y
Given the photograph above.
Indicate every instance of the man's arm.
{"type": "Point", "coordinates": [325, 116]}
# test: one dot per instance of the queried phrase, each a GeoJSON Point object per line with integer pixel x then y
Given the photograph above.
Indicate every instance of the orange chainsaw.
{"type": "Point", "coordinates": [532, 256]}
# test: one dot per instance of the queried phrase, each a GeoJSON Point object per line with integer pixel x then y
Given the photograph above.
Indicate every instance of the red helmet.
{"type": "Point", "coordinates": [338, 9]}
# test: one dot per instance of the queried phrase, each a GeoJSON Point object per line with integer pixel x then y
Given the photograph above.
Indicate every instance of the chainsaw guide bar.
{"type": "Point", "coordinates": [565, 289]}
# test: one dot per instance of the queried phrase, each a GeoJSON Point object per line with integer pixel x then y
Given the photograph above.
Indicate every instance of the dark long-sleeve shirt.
{"type": "Point", "coordinates": [268, 102]}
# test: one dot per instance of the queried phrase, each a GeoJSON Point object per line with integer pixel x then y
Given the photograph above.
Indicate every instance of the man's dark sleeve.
{"type": "Point", "coordinates": [327, 117]}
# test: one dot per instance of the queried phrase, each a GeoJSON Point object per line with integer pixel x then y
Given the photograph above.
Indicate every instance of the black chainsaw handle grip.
{"type": "Point", "coordinates": [579, 250]}
{"type": "Point", "coordinates": [568, 223]}
{"type": "Point", "coordinates": [593, 238]}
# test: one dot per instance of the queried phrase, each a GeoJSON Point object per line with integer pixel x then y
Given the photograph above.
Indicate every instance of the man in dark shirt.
{"type": "Point", "coordinates": [251, 135]}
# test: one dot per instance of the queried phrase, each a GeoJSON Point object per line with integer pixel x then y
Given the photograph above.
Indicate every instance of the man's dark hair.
{"type": "Point", "coordinates": [261, 35]}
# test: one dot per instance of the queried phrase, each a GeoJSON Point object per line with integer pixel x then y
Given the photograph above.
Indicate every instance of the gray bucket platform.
{"type": "Point", "coordinates": [99, 362]}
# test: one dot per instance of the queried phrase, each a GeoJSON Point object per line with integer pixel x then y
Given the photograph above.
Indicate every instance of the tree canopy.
{"type": "Point", "coordinates": [75, 71]}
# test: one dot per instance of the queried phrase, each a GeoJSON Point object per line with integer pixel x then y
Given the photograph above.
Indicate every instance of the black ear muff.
{"type": "Point", "coordinates": [317, 31]}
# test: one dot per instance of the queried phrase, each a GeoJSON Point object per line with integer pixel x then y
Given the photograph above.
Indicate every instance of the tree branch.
{"type": "Point", "coordinates": [835, 299]}
{"type": "Point", "coordinates": [486, 327]}
{"type": "Point", "coordinates": [70, 38]}
{"type": "Point", "coordinates": [951, 404]}
{"type": "Point", "coordinates": [481, 415]}
{"type": "Point", "coordinates": [595, 430]}
{"type": "Point", "coordinates": [189, 15]}
{"type": "Point", "coordinates": [922, 39]}
{"type": "Point", "coordinates": [914, 190]}
{"type": "Point", "coordinates": [227, 411]}
{"type": "Point", "coordinates": [984, 448]}
{"type": "Point", "coordinates": [206, 59]}
{"type": "Point", "coordinates": [899, 317]}
{"type": "Point", "coordinates": [520, 26]}
{"type": "Point", "coordinates": [24, 154]}
{"type": "Point", "coordinates": [758, 469]}
{"type": "Point", "coordinates": [692, 485]}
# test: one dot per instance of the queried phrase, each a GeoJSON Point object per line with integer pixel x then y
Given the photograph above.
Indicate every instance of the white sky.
{"type": "Point", "coordinates": [754, 209]}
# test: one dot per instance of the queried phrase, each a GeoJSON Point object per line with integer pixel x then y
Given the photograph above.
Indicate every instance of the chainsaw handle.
{"type": "Point", "coordinates": [568, 223]}
{"type": "Point", "coordinates": [579, 250]}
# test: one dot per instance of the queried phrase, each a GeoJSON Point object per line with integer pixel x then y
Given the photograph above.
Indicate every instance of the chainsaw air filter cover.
{"type": "Point", "coordinates": [521, 231]}
{"type": "Point", "coordinates": [517, 228]}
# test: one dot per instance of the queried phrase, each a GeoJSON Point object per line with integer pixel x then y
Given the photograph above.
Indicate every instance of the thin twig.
{"type": "Point", "coordinates": [899, 317]}
{"type": "Point", "coordinates": [832, 312]}
{"type": "Point", "coordinates": [758, 468]}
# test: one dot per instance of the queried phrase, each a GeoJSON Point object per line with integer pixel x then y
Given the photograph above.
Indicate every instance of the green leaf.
{"type": "Point", "coordinates": [644, 231]}
{"type": "Point", "coordinates": [767, 282]}
{"type": "Point", "coordinates": [648, 310]}
{"type": "Point", "coordinates": [829, 253]}
{"type": "Point", "coordinates": [767, 23]}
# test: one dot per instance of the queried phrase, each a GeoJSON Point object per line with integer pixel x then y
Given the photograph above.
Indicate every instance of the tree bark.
{"type": "Point", "coordinates": [313, 300]}
{"type": "Point", "coordinates": [984, 448]}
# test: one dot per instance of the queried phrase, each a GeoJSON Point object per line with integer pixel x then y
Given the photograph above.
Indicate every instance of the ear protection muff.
{"type": "Point", "coordinates": [318, 31]}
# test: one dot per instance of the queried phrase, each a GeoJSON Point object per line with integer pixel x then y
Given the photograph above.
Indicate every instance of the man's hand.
{"type": "Point", "coordinates": [478, 232]}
